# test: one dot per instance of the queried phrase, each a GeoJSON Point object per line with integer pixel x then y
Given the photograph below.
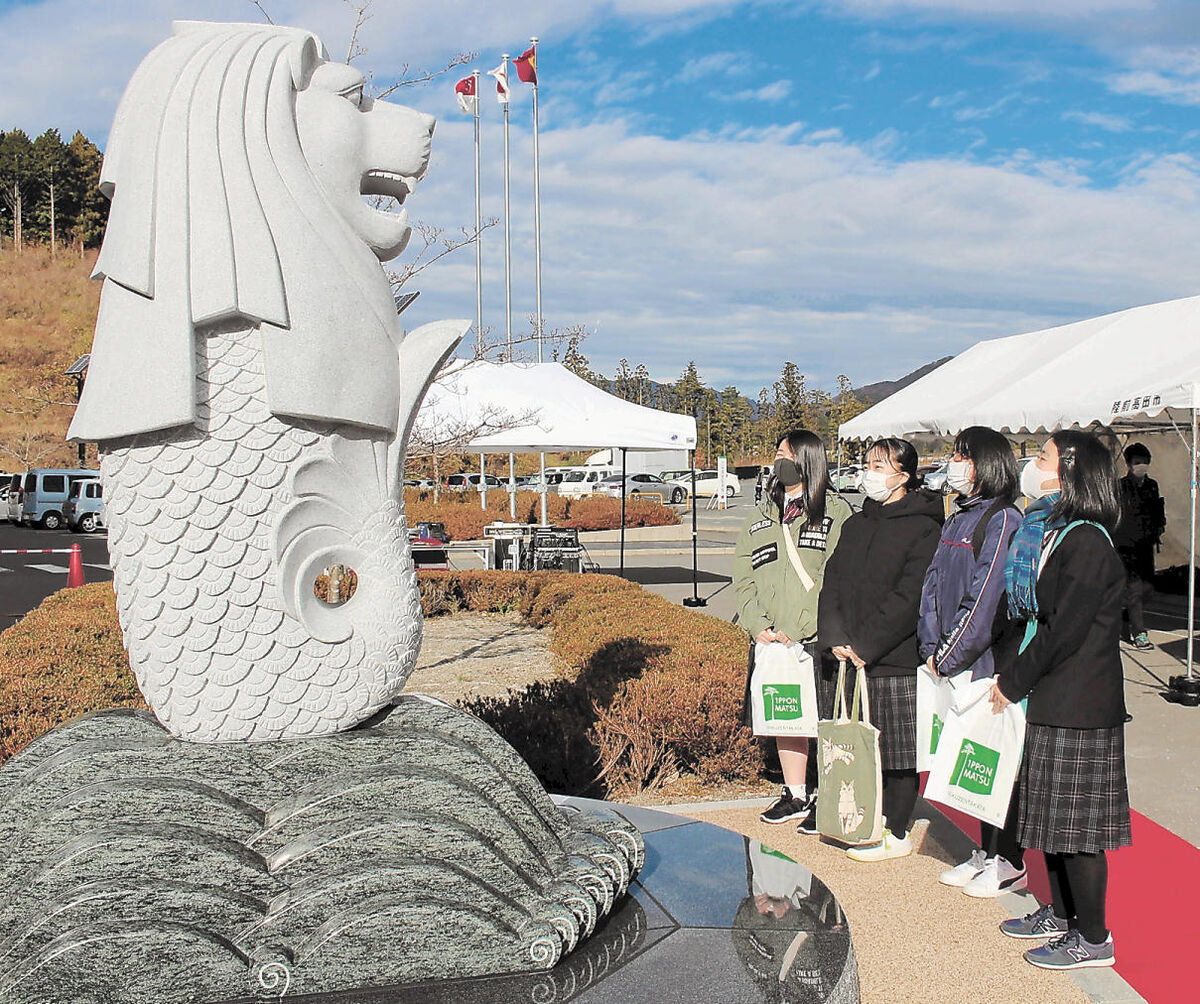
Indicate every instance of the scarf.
{"type": "Point", "coordinates": [1024, 555]}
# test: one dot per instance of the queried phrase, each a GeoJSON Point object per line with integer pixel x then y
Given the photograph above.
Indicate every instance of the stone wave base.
{"type": "Point", "coordinates": [417, 847]}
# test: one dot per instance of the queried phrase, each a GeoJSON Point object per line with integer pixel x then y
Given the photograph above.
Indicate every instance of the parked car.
{"type": "Point", "coordinates": [84, 510]}
{"type": "Point", "coordinates": [473, 482]}
{"type": "Point", "coordinates": [582, 481]}
{"type": "Point", "coordinates": [707, 484]}
{"type": "Point", "coordinates": [45, 492]}
{"type": "Point", "coordinates": [934, 476]}
{"type": "Point", "coordinates": [637, 484]}
{"type": "Point", "coordinates": [847, 478]}
{"type": "Point", "coordinates": [14, 486]}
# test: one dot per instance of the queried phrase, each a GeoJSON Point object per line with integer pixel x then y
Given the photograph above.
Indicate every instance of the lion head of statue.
{"type": "Point", "coordinates": [237, 165]}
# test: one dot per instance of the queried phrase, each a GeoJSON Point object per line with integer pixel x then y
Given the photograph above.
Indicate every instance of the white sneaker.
{"type": "Point", "coordinates": [889, 847]}
{"type": "Point", "coordinates": [997, 876]}
{"type": "Point", "coordinates": [960, 875]}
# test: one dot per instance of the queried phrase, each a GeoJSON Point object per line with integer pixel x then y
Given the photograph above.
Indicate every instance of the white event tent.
{"type": "Point", "coordinates": [1137, 370]}
{"type": "Point", "coordinates": [545, 408]}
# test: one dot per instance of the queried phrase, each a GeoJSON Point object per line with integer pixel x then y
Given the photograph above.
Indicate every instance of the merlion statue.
{"type": "Point", "coordinates": [251, 388]}
{"type": "Point", "coordinates": [286, 820]}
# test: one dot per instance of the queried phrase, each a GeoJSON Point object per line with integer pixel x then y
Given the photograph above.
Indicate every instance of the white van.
{"type": "Point", "coordinates": [582, 480]}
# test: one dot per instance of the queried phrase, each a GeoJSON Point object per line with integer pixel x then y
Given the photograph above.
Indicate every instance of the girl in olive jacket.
{"type": "Point", "coordinates": [774, 603]}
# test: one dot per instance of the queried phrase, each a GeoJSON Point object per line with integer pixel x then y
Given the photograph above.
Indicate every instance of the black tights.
{"type": "Point", "coordinates": [899, 800]}
{"type": "Point", "coordinates": [1078, 886]}
{"type": "Point", "coordinates": [1003, 841]}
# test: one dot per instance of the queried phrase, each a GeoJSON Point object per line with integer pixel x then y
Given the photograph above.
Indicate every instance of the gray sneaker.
{"type": "Point", "coordinates": [1072, 951]}
{"type": "Point", "coordinates": [1040, 924]}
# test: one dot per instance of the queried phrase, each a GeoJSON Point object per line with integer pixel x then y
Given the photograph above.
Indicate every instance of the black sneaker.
{"type": "Point", "coordinates": [808, 825]}
{"type": "Point", "coordinates": [784, 808]}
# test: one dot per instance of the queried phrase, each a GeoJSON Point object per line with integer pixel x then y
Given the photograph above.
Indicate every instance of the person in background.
{"type": "Point", "coordinates": [868, 616]}
{"type": "Point", "coordinates": [1065, 585]}
{"type": "Point", "coordinates": [774, 604]}
{"type": "Point", "coordinates": [1143, 520]}
{"type": "Point", "coordinates": [963, 589]}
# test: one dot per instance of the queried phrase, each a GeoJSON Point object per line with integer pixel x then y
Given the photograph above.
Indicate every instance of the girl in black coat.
{"type": "Point", "coordinates": [1062, 652]}
{"type": "Point", "coordinates": [868, 616]}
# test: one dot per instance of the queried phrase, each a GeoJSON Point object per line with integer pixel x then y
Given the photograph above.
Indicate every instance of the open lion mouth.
{"type": "Point", "coordinates": [388, 183]}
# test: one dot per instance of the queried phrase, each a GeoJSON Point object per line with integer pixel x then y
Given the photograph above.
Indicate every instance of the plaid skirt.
{"type": "Point", "coordinates": [893, 711]}
{"type": "Point", "coordinates": [1073, 791]}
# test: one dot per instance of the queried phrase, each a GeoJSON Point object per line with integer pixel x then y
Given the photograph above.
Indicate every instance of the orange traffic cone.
{"type": "Point", "coordinates": [75, 569]}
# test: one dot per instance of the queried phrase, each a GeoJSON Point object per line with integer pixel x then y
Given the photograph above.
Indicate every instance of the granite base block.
{"type": "Point", "coordinates": [417, 847]}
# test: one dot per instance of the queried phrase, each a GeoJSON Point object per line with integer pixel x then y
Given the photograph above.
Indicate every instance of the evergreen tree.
{"type": "Point", "coordinates": [18, 181]}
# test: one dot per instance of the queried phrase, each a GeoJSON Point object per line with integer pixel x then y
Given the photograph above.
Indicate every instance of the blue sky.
{"type": "Point", "coordinates": [858, 186]}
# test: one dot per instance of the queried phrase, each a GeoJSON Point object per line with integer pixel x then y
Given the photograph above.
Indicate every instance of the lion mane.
{"type": "Point", "coordinates": [217, 218]}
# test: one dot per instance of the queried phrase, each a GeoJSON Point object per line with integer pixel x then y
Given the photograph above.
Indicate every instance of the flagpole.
{"type": "Point", "coordinates": [507, 231]}
{"type": "Point", "coordinates": [478, 233]}
{"type": "Point", "coordinates": [537, 242]}
{"type": "Point", "coordinates": [512, 495]}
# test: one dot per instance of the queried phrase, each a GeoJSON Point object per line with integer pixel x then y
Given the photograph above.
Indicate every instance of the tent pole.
{"type": "Point", "coordinates": [512, 488]}
{"type": "Point", "coordinates": [1185, 690]}
{"type": "Point", "coordinates": [1192, 541]}
{"type": "Point", "coordinates": [624, 486]}
{"type": "Point", "coordinates": [694, 600]}
{"type": "Point", "coordinates": [543, 489]}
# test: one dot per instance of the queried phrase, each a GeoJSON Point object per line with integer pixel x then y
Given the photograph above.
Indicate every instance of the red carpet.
{"type": "Point", "coordinates": [1153, 889]}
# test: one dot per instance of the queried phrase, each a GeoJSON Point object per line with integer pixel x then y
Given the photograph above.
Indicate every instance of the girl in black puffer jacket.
{"type": "Point", "coordinates": [868, 616]}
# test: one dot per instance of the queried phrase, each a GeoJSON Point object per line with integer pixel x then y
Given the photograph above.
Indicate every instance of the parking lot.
{"type": "Point", "coordinates": [27, 579]}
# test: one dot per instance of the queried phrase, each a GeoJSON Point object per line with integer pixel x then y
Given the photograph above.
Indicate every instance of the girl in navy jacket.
{"type": "Point", "coordinates": [963, 589]}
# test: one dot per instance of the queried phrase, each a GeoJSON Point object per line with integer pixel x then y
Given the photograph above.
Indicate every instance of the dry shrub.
{"type": "Point", "coordinates": [652, 689]}
{"type": "Point", "coordinates": [60, 661]}
{"type": "Point", "coordinates": [465, 520]}
{"type": "Point", "coordinates": [599, 512]}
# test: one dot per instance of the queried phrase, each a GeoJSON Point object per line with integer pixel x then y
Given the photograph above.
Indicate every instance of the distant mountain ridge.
{"type": "Point", "coordinates": [873, 393]}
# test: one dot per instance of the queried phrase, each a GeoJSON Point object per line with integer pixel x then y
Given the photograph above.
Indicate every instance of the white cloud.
{"type": "Point", "coordinates": [714, 64]}
{"type": "Point", "coordinates": [1101, 120]}
{"type": "Point", "coordinates": [742, 249]}
{"type": "Point", "coordinates": [776, 91]}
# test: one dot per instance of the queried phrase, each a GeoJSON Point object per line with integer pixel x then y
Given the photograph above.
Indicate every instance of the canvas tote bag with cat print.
{"type": "Point", "coordinates": [850, 781]}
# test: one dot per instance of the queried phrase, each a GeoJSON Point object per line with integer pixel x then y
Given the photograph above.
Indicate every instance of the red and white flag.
{"type": "Point", "coordinates": [501, 75]}
{"type": "Point", "coordinates": [468, 100]}
{"type": "Point", "coordinates": [526, 65]}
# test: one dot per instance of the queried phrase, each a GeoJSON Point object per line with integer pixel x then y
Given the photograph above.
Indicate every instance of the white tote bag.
{"type": "Point", "coordinates": [935, 697]}
{"type": "Point", "coordinates": [978, 755]}
{"type": "Point", "coordinates": [783, 691]}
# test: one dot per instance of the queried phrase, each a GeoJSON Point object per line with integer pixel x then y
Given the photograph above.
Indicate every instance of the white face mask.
{"type": "Point", "coordinates": [1031, 483]}
{"type": "Point", "coordinates": [960, 476]}
{"type": "Point", "coordinates": [1140, 470]}
{"type": "Point", "coordinates": [875, 485]}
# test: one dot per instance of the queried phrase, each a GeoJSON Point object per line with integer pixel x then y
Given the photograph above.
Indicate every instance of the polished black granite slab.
{"type": "Point", "coordinates": [712, 916]}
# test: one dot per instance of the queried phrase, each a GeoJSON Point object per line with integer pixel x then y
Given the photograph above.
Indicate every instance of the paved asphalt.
{"type": "Point", "coordinates": [27, 579]}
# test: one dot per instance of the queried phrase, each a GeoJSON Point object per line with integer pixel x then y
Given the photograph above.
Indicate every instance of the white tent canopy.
{"type": "Point", "coordinates": [1138, 369]}
{"type": "Point", "coordinates": [543, 408]}
{"type": "Point", "coordinates": [1132, 369]}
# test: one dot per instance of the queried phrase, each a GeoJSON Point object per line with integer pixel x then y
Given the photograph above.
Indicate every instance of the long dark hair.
{"type": "Point", "coordinates": [1088, 478]}
{"type": "Point", "coordinates": [903, 454]}
{"type": "Point", "coordinates": [996, 474]}
{"type": "Point", "coordinates": [809, 452]}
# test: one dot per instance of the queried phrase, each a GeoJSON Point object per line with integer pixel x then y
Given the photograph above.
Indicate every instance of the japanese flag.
{"type": "Point", "coordinates": [501, 75]}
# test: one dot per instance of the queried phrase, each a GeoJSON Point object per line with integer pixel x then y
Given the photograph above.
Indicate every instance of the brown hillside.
{"type": "Point", "coordinates": [47, 315]}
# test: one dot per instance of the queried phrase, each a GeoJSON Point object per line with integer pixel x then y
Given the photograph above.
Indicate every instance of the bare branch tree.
{"type": "Point", "coordinates": [262, 10]}
{"type": "Point", "coordinates": [362, 14]}
{"type": "Point", "coordinates": [424, 76]}
{"type": "Point", "coordinates": [435, 247]}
